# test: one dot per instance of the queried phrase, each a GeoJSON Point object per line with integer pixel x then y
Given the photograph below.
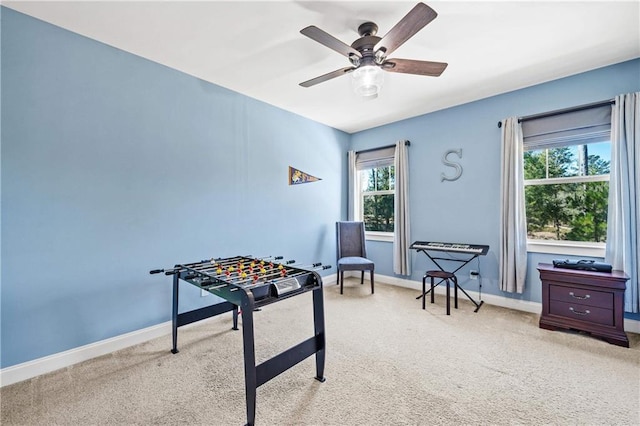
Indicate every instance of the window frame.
{"type": "Point", "coordinates": [566, 247]}
{"type": "Point", "coordinates": [386, 236]}
{"type": "Point", "coordinates": [366, 160]}
{"type": "Point", "coordinates": [568, 127]}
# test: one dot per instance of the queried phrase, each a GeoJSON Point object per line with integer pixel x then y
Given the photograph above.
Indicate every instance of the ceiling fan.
{"type": "Point", "coordinates": [368, 54]}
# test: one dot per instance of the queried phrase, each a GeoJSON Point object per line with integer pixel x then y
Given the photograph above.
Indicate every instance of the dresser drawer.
{"type": "Point", "coordinates": [588, 301]}
{"type": "Point", "coordinates": [592, 314]}
{"type": "Point", "coordinates": [587, 297]}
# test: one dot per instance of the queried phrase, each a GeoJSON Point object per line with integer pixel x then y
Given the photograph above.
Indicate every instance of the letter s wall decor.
{"type": "Point", "coordinates": [455, 165]}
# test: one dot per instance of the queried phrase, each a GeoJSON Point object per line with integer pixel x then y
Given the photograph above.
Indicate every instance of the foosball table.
{"type": "Point", "coordinates": [246, 284]}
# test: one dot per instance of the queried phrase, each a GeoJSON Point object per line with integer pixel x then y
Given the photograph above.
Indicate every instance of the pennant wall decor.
{"type": "Point", "coordinates": [297, 177]}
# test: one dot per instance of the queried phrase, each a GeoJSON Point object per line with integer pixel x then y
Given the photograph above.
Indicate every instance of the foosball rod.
{"type": "Point", "coordinates": [237, 259]}
{"type": "Point", "coordinates": [237, 279]}
{"type": "Point", "coordinates": [178, 267]}
{"type": "Point", "coordinates": [298, 273]}
{"type": "Point", "coordinates": [263, 280]}
{"type": "Point", "coordinates": [175, 269]}
{"type": "Point", "coordinates": [275, 272]}
{"type": "Point", "coordinates": [313, 265]}
{"type": "Point", "coordinates": [168, 271]}
{"type": "Point", "coordinates": [237, 271]}
{"type": "Point", "coordinates": [219, 261]}
{"type": "Point", "coordinates": [275, 276]}
{"type": "Point", "coordinates": [205, 268]}
{"type": "Point", "coordinates": [205, 263]}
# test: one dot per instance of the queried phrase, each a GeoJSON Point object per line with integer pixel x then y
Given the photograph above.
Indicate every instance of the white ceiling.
{"type": "Point", "coordinates": [255, 48]}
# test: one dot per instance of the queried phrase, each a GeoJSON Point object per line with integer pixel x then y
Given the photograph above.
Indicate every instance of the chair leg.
{"type": "Point", "coordinates": [424, 290]}
{"type": "Point", "coordinates": [432, 288]}
{"type": "Point", "coordinates": [448, 296]}
{"type": "Point", "coordinates": [371, 281]}
{"type": "Point", "coordinates": [341, 279]}
{"type": "Point", "coordinates": [455, 291]}
{"type": "Point", "coordinates": [362, 277]}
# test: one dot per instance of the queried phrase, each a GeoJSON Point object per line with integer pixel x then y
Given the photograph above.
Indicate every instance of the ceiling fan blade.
{"type": "Point", "coordinates": [410, 66]}
{"type": "Point", "coordinates": [330, 41]}
{"type": "Point", "coordinates": [408, 26]}
{"type": "Point", "coordinates": [328, 76]}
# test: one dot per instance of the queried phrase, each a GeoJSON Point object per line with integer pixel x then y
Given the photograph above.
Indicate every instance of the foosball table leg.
{"type": "Point", "coordinates": [250, 373]}
{"type": "Point", "coordinates": [235, 317]}
{"type": "Point", "coordinates": [318, 322]}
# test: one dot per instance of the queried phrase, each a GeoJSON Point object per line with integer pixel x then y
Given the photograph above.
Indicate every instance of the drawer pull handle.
{"type": "Point", "coordinates": [586, 312]}
{"type": "Point", "coordinates": [579, 297]}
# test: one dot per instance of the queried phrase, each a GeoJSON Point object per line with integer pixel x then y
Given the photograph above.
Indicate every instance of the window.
{"type": "Point", "coordinates": [374, 192]}
{"type": "Point", "coordinates": [566, 192]}
{"type": "Point", "coordinates": [566, 172]}
{"type": "Point", "coordinates": [376, 198]}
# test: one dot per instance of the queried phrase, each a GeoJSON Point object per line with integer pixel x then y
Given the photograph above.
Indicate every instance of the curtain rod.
{"type": "Point", "coordinates": [563, 111]}
{"type": "Point", "coordinates": [407, 143]}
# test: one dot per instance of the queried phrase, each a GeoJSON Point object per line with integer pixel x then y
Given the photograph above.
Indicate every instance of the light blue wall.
{"type": "Point", "coordinates": [467, 210]}
{"type": "Point", "coordinates": [113, 165]}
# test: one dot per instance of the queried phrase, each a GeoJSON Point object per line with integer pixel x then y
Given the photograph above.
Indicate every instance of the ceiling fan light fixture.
{"type": "Point", "coordinates": [368, 54]}
{"type": "Point", "coordinates": [367, 81]}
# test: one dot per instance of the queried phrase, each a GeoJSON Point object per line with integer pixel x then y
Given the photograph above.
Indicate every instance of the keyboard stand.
{"type": "Point", "coordinates": [463, 262]}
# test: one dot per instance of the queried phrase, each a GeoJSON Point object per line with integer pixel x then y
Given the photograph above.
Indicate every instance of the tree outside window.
{"type": "Point", "coordinates": [377, 198]}
{"type": "Point", "coordinates": [566, 192]}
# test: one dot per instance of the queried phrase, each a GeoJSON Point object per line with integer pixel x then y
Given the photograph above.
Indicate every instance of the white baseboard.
{"type": "Point", "coordinates": [631, 326]}
{"type": "Point", "coordinates": [37, 367]}
{"type": "Point", "coordinates": [47, 364]}
{"type": "Point", "coordinates": [505, 302]}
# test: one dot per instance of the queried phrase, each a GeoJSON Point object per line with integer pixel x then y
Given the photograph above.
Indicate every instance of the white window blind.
{"type": "Point", "coordinates": [382, 157]}
{"type": "Point", "coordinates": [579, 127]}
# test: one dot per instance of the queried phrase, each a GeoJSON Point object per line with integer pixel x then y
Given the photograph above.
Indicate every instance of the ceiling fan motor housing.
{"type": "Point", "coordinates": [368, 54]}
{"type": "Point", "coordinates": [365, 46]}
{"type": "Point", "coordinates": [367, 29]}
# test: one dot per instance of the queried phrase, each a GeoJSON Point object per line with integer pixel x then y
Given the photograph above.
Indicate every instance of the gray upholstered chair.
{"type": "Point", "coordinates": [352, 253]}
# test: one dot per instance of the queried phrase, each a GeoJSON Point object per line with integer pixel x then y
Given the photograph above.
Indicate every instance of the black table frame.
{"type": "Point", "coordinates": [463, 262]}
{"type": "Point", "coordinates": [237, 297]}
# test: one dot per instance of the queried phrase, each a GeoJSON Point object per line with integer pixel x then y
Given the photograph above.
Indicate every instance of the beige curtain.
{"type": "Point", "coordinates": [353, 182]}
{"type": "Point", "coordinates": [402, 233]}
{"type": "Point", "coordinates": [623, 241]}
{"type": "Point", "coordinates": [513, 229]}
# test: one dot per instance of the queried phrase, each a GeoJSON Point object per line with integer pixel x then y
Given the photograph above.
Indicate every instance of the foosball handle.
{"type": "Point", "coordinates": [166, 272]}
{"type": "Point", "coordinates": [326, 267]}
{"type": "Point", "coordinates": [289, 262]}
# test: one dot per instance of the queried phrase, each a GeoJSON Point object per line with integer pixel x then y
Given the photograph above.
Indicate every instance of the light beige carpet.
{"type": "Point", "coordinates": [388, 363]}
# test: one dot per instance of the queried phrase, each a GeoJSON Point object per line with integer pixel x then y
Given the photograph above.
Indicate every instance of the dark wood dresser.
{"type": "Point", "coordinates": [584, 300]}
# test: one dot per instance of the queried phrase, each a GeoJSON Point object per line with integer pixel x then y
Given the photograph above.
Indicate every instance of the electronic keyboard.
{"type": "Point", "coordinates": [477, 249]}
